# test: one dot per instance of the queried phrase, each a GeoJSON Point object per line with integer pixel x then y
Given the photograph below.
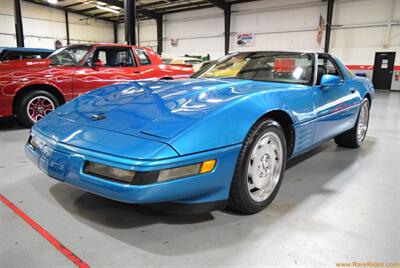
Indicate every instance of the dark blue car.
{"type": "Point", "coordinates": [220, 138]}
{"type": "Point", "coordinates": [22, 53]}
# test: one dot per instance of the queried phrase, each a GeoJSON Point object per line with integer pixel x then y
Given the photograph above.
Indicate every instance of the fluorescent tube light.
{"type": "Point", "coordinates": [107, 9]}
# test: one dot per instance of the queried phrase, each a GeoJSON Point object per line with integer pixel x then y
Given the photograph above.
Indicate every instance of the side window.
{"type": "Point", "coordinates": [329, 66]}
{"type": "Point", "coordinates": [13, 55]}
{"type": "Point", "coordinates": [112, 57]}
{"type": "Point", "coordinates": [143, 57]}
{"type": "Point", "coordinates": [30, 55]}
{"type": "Point", "coordinates": [326, 66]}
{"type": "Point", "coordinates": [102, 56]}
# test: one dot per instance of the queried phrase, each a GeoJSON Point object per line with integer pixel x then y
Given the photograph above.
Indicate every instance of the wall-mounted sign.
{"type": "Point", "coordinates": [385, 63]}
{"type": "Point", "coordinates": [245, 39]}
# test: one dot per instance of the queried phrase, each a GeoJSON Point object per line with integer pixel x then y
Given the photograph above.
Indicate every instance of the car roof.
{"type": "Point", "coordinates": [277, 51]}
{"type": "Point", "coordinates": [106, 44]}
{"type": "Point", "coordinates": [30, 49]}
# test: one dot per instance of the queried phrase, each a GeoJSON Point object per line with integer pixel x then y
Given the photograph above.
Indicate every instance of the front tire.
{"type": "Point", "coordinates": [259, 168]}
{"type": "Point", "coordinates": [355, 137]}
{"type": "Point", "coordinates": [35, 105]}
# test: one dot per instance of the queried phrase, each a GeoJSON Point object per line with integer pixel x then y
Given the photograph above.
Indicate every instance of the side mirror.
{"type": "Point", "coordinates": [330, 80]}
{"type": "Point", "coordinates": [98, 64]}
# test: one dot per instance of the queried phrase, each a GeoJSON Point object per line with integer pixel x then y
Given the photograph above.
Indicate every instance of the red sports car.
{"type": "Point", "coordinates": [30, 89]}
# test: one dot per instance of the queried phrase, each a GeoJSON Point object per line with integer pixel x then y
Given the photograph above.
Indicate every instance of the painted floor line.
{"type": "Point", "coordinates": [52, 240]}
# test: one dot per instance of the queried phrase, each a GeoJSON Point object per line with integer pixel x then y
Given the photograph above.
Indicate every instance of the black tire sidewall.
{"type": "Point", "coordinates": [251, 205]}
{"type": "Point", "coordinates": [21, 108]}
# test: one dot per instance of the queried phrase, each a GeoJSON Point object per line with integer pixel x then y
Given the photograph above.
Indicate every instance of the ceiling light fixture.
{"type": "Point", "coordinates": [52, 2]}
{"type": "Point", "coordinates": [107, 9]}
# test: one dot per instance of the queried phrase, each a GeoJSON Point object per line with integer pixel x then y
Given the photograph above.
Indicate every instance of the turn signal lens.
{"type": "Point", "coordinates": [179, 172]}
{"type": "Point", "coordinates": [207, 166]}
{"type": "Point", "coordinates": [186, 171]}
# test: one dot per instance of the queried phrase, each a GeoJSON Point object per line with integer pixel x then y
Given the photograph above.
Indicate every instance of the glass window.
{"type": "Point", "coordinates": [69, 56]}
{"type": "Point", "coordinates": [193, 62]}
{"type": "Point", "coordinates": [349, 72]}
{"type": "Point", "coordinates": [284, 67]}
{"type": "Point", "coordinates": [13, 55]}
{"type": "Point", "coordinates": [31, 55]}
{"type": "Point", "coordinates": [112, 57]}
{"type": "Point", "coordinates": [143, 57]}
{"type": "Point", "coordinates": [328, 65]}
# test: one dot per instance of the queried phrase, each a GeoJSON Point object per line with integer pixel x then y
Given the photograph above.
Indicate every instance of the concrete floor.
{"type": "Point", "coordinates": [335, 205]}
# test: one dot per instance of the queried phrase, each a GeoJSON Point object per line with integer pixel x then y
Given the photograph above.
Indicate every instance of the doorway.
{"type": "Point", "coordinates": [383, 70]}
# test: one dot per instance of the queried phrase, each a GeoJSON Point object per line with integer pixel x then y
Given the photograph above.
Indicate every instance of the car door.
{"type": "Point", "coordinates": [106, 65]}
{"type": "Point", "coordinates": [336, 104]}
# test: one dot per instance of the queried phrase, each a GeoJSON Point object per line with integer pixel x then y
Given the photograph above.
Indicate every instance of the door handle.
{"type": "Point", "coordinates": [353, 91]}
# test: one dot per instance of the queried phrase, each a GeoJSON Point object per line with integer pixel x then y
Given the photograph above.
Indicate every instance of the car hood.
{"type": "Point", "coordinates": [161, 109]}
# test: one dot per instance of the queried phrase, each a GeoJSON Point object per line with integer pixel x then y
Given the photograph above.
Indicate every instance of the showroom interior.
{"type": "Point", "coordinates": [336, 207]}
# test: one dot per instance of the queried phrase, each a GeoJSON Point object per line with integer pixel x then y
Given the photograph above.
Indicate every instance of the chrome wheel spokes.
{"type": "Point", "coordinates": [39, 107]}
{"type": "Point", "coordinates": [264, 166]}
{"type": "Point", "coordinates": [362, 125]}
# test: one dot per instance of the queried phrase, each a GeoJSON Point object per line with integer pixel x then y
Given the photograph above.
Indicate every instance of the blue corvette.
{"type": "Point", "coordinates": [220, 138]}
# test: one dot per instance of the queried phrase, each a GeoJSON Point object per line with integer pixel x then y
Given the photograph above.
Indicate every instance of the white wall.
{"type": "Point", "coordinates": [277, 25]}
{"type": "Point", "coordinates": [147, 34]}
{"type": "Point", "coordinates": [359, 29]}
{"type": "Point", "coordinates": [43, 25]}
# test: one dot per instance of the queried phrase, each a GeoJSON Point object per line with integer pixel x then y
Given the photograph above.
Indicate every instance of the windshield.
{"type": "Point", "coordinates": [68, 56]}
{"type": "Point", "coordinates": [193, 62]}
{"type": "Point", "coordinates": [284, 67]}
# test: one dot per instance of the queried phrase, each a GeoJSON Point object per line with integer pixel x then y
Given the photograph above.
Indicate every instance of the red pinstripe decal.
{"type": "Point", "coordinates": [368, 67]}
{"type": "Point", "coordinates": [60, 247]}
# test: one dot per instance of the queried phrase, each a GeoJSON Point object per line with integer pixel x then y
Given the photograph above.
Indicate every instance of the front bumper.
{"type": "Point", "coordinates": [65, 163]}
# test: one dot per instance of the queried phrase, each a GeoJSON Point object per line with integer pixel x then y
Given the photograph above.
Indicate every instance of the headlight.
{"type": "Point", "coordinates": [35, 142]}
{"type": "Point", "coordinates": [109, 172]}
{"type": "Point", "coordinates": [143, 178]}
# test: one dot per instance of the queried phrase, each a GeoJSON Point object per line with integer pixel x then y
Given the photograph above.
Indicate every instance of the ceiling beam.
{"type": "Point", "coordinates": [182, 6]}
{"type": "Point", "coordinates": [72, 5]}
{"type": "Point", "coordinates": [87, 9]}
{"type": "Point", "coordinates": [220, 4]}
{"type": "Point", "coordinates": [63, 8]}
{"type": "Point", "coordinates": [96, 15]}
{"type": "Point", "coordinates": [171, 11]}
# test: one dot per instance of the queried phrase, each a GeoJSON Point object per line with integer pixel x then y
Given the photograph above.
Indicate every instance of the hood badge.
{"type": "Point", "coordinates": [97, 117]}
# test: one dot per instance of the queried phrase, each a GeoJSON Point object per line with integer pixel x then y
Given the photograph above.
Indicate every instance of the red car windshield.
{"type": "Point", "coordinates": [69, 56]}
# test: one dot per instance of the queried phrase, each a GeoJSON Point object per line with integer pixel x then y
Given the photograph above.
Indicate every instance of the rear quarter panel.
{"type": "Point", "coordinates": [160, 70]}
